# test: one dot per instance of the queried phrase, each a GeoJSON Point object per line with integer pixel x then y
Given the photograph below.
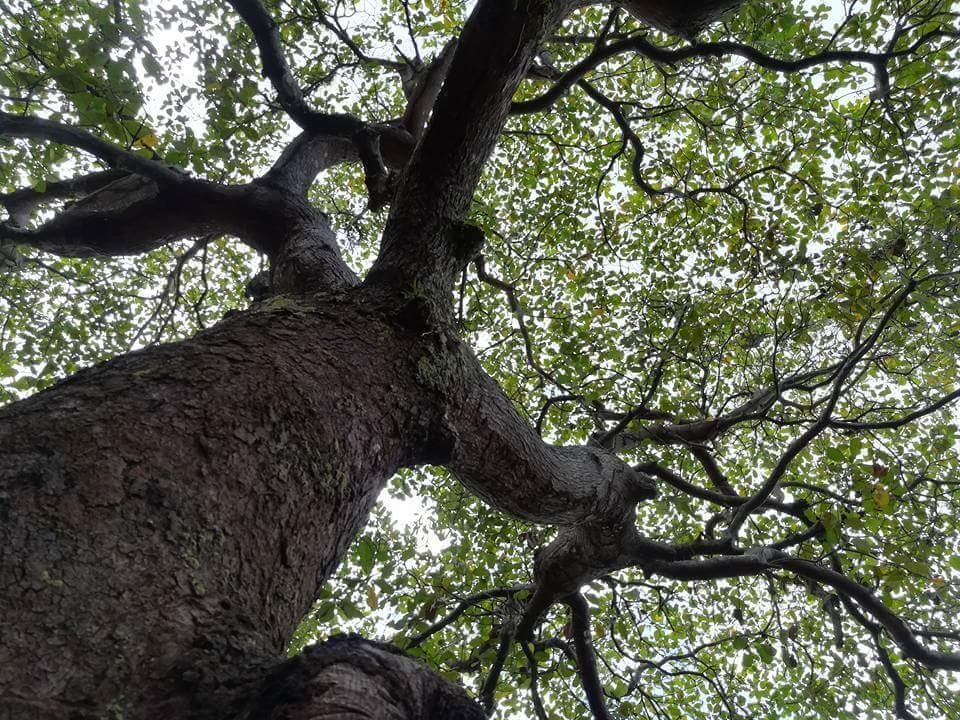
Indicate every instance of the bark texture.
{"type": "Point", "coordinates": [348, 677]}
{"type": "Point", "coordinates": [166, 518]}
{"type": "Point", "coordinates": [684, 17]}
{"type": "Point", "coordinates": [169, 516]}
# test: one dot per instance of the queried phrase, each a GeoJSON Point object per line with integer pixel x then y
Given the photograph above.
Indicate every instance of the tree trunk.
{"type": "Point", "coordinates": [168, 517]}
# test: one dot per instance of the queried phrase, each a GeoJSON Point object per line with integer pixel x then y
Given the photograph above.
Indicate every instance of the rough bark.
{"type": "Point", "coordinates": [684, 17]}
{"type": "Point", "coordinates": [168, 517]}
{"type": "Point", "coordinates": [351, 677]}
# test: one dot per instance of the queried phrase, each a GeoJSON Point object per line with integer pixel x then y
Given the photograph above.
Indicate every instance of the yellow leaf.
{"type": "Point", "coordinates": [372, 597]}
{"type": "Point", "coordinates": [881, 497]}
{"type": "Point", "coordinates": [148, 141]}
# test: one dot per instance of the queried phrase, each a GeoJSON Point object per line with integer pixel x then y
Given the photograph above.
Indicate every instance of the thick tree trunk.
{"type": "Point", "coordinates": [167, 518]}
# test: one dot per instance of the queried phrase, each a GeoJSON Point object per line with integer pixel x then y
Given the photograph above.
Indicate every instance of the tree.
{"type": "Point", "coordinates": [669, 289]}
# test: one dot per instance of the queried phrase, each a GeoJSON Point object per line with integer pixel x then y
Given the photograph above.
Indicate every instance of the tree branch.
{"type": "Point", "coordinates": [758, 561]}
{"type": "Point", "coordinates": [382, 148]}
{"type": "Point", "coordinates": [25, 126]}
{"type": "Point", "coordinates": [306, 156]}
{"type": "Point", "coordinates": [822, 422]}
{"type": "Point", "coordinates": [586, 657]}
{"type": "Point", "coordinates": [21, 204]}
{"type": "Point", "coordinates": [277, 71]}
{"type": "Point", "coordinates": [497, 45]}
{"type": "Point", "coordinates": [134, 215]}
{"type": "Point", "coordinates": [464, 605]}
{"type": "Point", "coordinates": [645, 48]}
{"type": "Point", "coordinates": [897, 422]}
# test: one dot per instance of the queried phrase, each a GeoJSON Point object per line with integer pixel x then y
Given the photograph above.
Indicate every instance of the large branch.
{"type": "Point", "coordinates": [134, 215]}
{"type": "Point", "coordinates": [679, 17]}
{"type": "Point", "coordinates": [499, 457]}
{"type": "Point", "coordinates": [277, 71]}
{"type": "Point", "coordinates": [306, 156]}
{"type": "Point", "coordinates": [128, 217]}
{"type": "Point", "coordinates": [21, 204]}
{"type": "Point", "coordinates": [169, 516]}
{"type": "Point", "coordinates": [24, 126]}
{"type": "Point", "coordinates": [496, 48]}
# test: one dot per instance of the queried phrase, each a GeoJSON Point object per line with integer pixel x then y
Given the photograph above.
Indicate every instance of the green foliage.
{"type": "Point", "coordinates": [788, 207]}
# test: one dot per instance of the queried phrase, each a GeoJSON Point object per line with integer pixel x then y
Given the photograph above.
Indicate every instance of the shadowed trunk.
{"type": "Point", "coordinates": [168, 517]}
{"type": "Point", "coordinates": [171, 515]}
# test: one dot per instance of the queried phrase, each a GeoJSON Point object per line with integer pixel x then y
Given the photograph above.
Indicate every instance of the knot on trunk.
{"type": "Point", "coordinates": [602, 540]}
{"type": "Point", "coordinates": [350, 676]}
{"type": "Point", "coordinates": [465, 242]}
{"type": "Point", "coordinates": [685, 18]}
{"type": "Point", "coordinates": [616, 486]}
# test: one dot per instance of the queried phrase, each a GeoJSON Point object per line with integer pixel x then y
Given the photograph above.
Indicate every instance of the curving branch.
{"type": "Point", "coordinates": [277, 71]}
{"type": "Point", "coordinates": [332, 23]}
{"type": "Point", "coordinates": [891, 622]}
{"type": "Point", "coordinates": [761, 560]}
{"type": "Point", "coordinates": [21, 204]}
{"type": "Point", "coordinates": [723, 499]}
{"type": "Point", "coordinates": [464, 605]}
{"type": "Point", "coordinates": [534, 673]}
{"type": "Point", "coordinates": [489, 687]}
{"type": "Point", "coordinates": [897, 422]}
{"type": "Point", "coordinates": [874, 629]}
{"type": "Point", "coordinates": [305, 157]}
{"type": "Point", "coordinates": [698, 432]}
{"type": "Point", "coordinates": [35, 128]}
{"type": "Point", "coordinates": [423, 88]}
{"type": "Point", "coordinates": [510, 291]}
{"type": "Point", "coordinates": [800, 443]}
{"type": "Point", "coordinates": [133, 215]}
{"type": "Point", "coordinates": [328, 140]}
{"type": "Point", "coordinates": [673, 56]}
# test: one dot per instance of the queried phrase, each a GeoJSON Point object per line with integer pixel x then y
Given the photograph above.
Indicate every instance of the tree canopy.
{"type": "Point", "coordinates": [725, 251]}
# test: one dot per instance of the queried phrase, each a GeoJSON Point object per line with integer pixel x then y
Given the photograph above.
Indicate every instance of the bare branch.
{"type": "Point", "coordinates": [489, 687]}
{"type": "Point", "coordinates": [897, 422]}
{"type": "Point", "coordinates": [762, 560]}
{"type": "Point", "coordinates": [426, 88]}
{"type": "Point", "coordinates": [464, 605]}
{"type": "Point", "coordinates": [305, 157]}
{"type": "Point", "coordinates": [333, 25]}
{"type": "Point", "coordinates": [823, 421]}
